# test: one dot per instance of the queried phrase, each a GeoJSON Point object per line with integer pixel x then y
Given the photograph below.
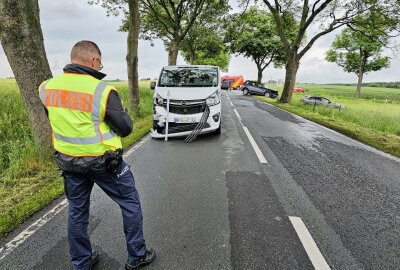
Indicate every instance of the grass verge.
{"type": "Point", "coordinates": [27, 184]}
{"type": "Point", "coordinates": [18, 206]}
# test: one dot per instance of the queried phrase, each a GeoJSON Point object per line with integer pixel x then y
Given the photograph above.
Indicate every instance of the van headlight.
{"type": "Point", "coordinates": [214, 99]}
{"type": "Point", "coordinates": [158, 100]}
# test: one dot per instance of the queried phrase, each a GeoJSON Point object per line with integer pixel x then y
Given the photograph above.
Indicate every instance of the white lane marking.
{"type": "Point", "coordinates": [20, 238]}
{"type": "Point", "coordinates": [253, 143]}
{"type": "Point", "coordinates": [237, 114]}
{"type": "Point", "coordinates": [231, 103]}
{"type": "Point", "coordinates": [24, 235]}
{"type": "Point", "coordinates": [309, 244]}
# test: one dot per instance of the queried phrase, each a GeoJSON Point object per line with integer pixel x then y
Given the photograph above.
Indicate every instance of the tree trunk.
{"type": "Point", "coordinates": [191, 57]}
{"type": "Point", "coordinates": [132, 55]}
{"type": "Point", "coordinates": [360, 74]}
{"type": "Point", "coordinates": [260, 74]}
{"type": "Point", "coordinates": [358, 90]}
{"type": "Point", "coordinates": [22, 40]}
{"type": "Point", "coordinates": [173, 52]}
{"type": "Point", "coordinates": [292, 65]}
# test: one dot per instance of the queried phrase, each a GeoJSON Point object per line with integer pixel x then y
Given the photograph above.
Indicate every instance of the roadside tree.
{"type": "Point", "coordinates": [253, 35]}
{"type": "Point", "coordinates": [324, 17]}
{"type": "Point", "coordinates": [132, 26]}
{"type": "Point", "coordinates": [359, 52]}
{"type": "Point", "coordinates": [204, 46]}
{"type": "Point", "coordinates": [22, 40]}
{"type": "Point", "coordinates": [204, 43]}
{"type": "Point", "coordinates": [170, 21]}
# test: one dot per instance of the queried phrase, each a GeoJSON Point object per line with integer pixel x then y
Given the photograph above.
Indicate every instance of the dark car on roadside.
{"type": "Point", "coordinates": [321, 101]}
{"type": "Point", "coordinates": [256, 88]}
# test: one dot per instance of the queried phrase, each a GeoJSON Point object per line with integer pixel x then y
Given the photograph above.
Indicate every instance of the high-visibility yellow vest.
{"type": "Point", "coordinates": [77, 105]}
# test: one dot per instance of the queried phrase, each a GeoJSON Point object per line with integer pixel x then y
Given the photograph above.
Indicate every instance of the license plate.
{"type": "Point", "coordinates": [185, 120]}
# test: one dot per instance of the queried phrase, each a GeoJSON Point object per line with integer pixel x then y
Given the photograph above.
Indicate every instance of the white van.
{"type": "Point", "coordinates": [194, 101]}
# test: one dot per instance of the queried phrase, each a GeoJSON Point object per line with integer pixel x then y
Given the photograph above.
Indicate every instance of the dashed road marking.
{"type": "Point", "coordinates": [253, 143]}
{"type": "Point", "coordinates": [309, 244]}
{"type": "Point", "coordinates": [237, 114]}
{"type": "Point", "coordinates": [34, 227]}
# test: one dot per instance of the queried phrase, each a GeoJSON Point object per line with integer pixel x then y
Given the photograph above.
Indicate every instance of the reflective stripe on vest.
{"type": "Point", "coordinates": [70, 100]}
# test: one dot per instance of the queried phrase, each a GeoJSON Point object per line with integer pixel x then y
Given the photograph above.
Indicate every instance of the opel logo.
{"type": "Point", "coordinates": [183, 103]}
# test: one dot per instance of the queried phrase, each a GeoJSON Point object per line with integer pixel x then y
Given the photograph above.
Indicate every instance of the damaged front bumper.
{"type": "Point", "coordinates": [181, 125]}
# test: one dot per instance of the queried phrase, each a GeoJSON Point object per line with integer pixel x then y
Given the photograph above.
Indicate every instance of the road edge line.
{"type": "Point", "coordinates": [25, 234]}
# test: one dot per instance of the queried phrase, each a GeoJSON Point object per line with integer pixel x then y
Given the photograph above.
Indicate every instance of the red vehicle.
{"type": "Point", "coordinates": [298, 89]}
{"type": "Point", "coordinates": [234, 81]}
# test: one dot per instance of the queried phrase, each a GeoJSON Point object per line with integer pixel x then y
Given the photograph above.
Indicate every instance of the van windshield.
{"type": "Point", "coordinates": [189, 77]}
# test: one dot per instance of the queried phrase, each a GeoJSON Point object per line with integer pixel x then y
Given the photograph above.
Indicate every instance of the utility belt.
{"type": "Point", "coordinates": [111, 162]}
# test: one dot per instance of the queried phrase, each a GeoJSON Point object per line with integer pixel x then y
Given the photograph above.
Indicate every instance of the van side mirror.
{"type": "Point", "coordinates": [152, 85]}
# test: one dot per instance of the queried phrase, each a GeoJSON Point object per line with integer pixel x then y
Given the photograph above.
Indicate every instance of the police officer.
{"type": "Point", "coordinates": [88, 121]}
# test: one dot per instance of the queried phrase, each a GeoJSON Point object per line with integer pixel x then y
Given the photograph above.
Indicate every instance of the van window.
{"type": "Point", "coordinates": [189, 77]}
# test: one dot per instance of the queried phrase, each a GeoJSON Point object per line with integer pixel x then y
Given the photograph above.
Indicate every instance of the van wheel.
{"type": "Point", "coordinates": [245, 91]}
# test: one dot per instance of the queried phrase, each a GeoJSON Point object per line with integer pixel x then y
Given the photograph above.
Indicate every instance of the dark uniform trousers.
{"type": "Point", "coordinates": [121, 189]}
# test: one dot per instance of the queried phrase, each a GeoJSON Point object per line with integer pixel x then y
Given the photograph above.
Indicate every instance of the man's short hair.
{"type": "Point", "coordinates": [84, 50]}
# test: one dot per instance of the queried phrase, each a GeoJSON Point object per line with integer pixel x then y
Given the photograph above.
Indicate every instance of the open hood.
{"type": "Point", "coordinates": [186, 93]}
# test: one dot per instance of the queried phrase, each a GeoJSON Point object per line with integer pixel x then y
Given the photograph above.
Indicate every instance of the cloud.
{"type": "Point", "coordinates": [66, 22]}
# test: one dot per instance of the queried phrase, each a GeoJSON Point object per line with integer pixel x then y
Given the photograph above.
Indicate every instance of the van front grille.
{"type": "Point", "coordinates": [186, 106]}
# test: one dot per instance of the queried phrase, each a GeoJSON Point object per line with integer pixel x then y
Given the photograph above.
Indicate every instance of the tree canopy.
{"type": "Point", "coordinates": [350, 49]}
{"type": "Point", "coordinates": [359, 49]}
{"type": "Point", "coordinates": [325, 16]}
{"type": "Point", "coordinates": [205, 46]}
{"type": "Point", "coordinates": [253, 34]}
{"type": "Point", "coordinates": [170, 21]}
{"type": "Point", "coordinates": [132, 26]}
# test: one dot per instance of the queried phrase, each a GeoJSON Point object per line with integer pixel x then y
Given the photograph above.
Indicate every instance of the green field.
{"type": "Point", "coordinates": [373, 119]}
{"type": "Point", "coordinates": [27, 183]}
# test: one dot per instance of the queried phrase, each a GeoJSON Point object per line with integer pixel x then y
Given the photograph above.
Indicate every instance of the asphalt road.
{"type": "Point", "coordinates": [215, 204]}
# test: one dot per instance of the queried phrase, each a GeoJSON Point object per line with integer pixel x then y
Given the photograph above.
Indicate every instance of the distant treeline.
{"type": "Point", "coordinates": [373, 84]}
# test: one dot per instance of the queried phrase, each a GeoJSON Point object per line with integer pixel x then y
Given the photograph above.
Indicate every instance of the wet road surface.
{"type": "Point", "coordinates": [215, 204]}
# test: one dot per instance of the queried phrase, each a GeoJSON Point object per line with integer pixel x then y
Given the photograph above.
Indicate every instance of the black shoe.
{"type": "Point", "coordinates": [94, 259]}
{"type": "Point", "coordinates": [144, 260]}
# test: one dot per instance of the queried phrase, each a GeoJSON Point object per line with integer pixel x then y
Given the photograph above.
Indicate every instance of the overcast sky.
{"type": "Point", "coordinates": [65, 22]}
